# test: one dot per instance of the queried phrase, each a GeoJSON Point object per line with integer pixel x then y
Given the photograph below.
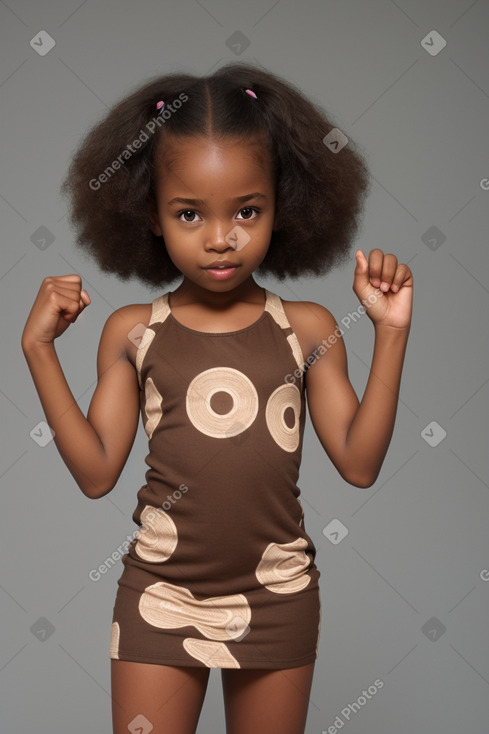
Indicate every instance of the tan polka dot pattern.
{"type": "Point", "coordinates": [245, 406]}
{"type": "Point", "coordinates": [153, 407]}
{"type": "Point", "coordinates": [143, 347]}
{"type": "Point", "coordinates": [158, 537]}
{"type": "Point", "coordinates": [242, 392]}
{"type": "Point", "coordinates": [283, 567]}
{"type": "Point", "coordinates": [212, 654]}
{"type": "Point", "coordinates": [168, 606]}
{"type": "Point", "coordinates": [114, 641]}
{"type": "Point", "coordinates": [285, 396]}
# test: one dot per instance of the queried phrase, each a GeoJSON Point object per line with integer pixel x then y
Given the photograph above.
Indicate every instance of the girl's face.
{"type": "Point", "coordinates": [215, 200]}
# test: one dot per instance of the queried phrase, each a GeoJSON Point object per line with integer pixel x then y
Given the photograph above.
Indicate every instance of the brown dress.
{"type": "Point", "coordinates": [221, 571]}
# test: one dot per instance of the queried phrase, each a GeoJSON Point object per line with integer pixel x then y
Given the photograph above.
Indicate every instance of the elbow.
{"type": "Point", "coordinates": [95, 495]}
{"type": "Point", "coordinates": [364, 484]}
{"type": "Point", "coordinates": [362, 481]}
{"type": "Point", "coordinates": [95, 491]}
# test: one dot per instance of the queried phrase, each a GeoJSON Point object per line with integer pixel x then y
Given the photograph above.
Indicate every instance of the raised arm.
{"type": "Point", "coordinates": [356, 435]}
{"type": "Point", "coordinates": [94, 448]}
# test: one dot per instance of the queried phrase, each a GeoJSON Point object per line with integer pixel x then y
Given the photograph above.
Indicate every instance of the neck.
{"type": "Point", "coordinates": [189, 292]}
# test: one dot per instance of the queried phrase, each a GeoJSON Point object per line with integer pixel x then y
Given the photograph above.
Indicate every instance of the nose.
{"type": "Point", "coordinates": [216, 232]}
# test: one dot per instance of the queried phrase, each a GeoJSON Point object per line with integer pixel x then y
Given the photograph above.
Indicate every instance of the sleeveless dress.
{"type": "Point", "coordinates": [221, 571]}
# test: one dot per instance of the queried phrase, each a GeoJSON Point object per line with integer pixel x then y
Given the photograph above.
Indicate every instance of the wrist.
{"type": "Point", "coordinates": [33, 347]}
{"type": "Point", "coordinates": [386, 331]}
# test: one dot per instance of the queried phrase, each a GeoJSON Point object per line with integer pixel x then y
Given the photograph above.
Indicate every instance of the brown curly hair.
{"type": "Point", "coordinates": [319, 194]}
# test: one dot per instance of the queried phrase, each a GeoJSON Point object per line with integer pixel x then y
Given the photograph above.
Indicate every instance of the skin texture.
{"type": "Point", "coordinates": [195, 234]}
{"type": "Point", "coordinates": [355, 434]}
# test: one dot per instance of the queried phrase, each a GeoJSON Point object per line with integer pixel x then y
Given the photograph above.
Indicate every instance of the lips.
{"type": "Point", "coordinates": [221, 273]}
{"type": "Point", "coordinates": [221, 264]}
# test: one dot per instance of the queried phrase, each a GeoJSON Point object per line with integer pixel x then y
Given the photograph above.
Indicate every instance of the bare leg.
{"type": "Point", "coordinates": [169, 698]}
{"type": "Point", "coordinates": [267, 701]}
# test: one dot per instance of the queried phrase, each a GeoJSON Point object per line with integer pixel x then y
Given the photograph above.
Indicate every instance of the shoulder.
{"type": "Point", "coordinates": [310, 321]}
{"type": "Point", "coordinates": [124, 329]}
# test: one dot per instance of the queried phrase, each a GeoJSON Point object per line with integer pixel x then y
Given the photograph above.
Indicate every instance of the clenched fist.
{"type": "Point", "coordinates": [58, 304]}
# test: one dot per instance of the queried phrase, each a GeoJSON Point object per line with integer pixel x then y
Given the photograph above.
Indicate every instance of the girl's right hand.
{"type": "Point", "coordinates": [59, 302]}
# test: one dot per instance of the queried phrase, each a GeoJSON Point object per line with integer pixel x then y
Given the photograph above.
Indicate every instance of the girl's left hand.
{"type": "Point", "coordinates": [382, 272]}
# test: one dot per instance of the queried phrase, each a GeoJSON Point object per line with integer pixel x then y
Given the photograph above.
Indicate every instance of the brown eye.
{"type": "Point", "coordinates": [184, 214]}
{"type": "Point", "coordinates": [250, 211]}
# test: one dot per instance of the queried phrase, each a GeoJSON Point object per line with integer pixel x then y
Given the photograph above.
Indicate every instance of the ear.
{"type": "Point", "coordinates": [154, 219]}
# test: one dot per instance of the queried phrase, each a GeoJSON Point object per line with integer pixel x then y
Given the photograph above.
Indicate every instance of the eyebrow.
{"type": "Point", "coordinates": [201, 202]}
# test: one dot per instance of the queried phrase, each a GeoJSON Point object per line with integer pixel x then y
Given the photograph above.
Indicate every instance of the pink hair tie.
{"type": "Point", "coordinates": [251, 93]}
{"type": "Point", "coordinates": [160, 105]}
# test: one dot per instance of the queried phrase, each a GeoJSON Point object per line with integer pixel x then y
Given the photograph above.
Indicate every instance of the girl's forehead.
{"type": "Point", "coordinates": [209, 167]}
{"type": "Point", "coordinates": [176, 152]}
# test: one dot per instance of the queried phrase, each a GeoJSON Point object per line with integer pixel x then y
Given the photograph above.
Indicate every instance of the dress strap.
{"type": "Point", "coordinates": [275, 306]}
{"type": "Point", "coordinates": [160, 309]}
{"type": "Point", "coordinates": [159, 312]}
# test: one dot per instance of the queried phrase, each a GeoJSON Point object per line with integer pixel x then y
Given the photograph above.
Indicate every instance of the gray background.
{"type": "Point", "coordinates": [416, 554]}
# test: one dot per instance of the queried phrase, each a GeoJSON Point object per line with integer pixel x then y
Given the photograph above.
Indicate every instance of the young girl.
{"type": "Point", "coordinates": [216, 179]}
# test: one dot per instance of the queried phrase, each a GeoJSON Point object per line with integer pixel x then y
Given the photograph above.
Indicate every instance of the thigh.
{"type": "Point", "coordinates": [267, 701]}
{"type": "Point", "coordinates": [169, 698]}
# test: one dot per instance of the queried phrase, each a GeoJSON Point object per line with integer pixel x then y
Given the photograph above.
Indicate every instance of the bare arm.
{"type": "Point", "coordinates": [94, 448]}
{"type": "Point", "coordinates": [356, 435]}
